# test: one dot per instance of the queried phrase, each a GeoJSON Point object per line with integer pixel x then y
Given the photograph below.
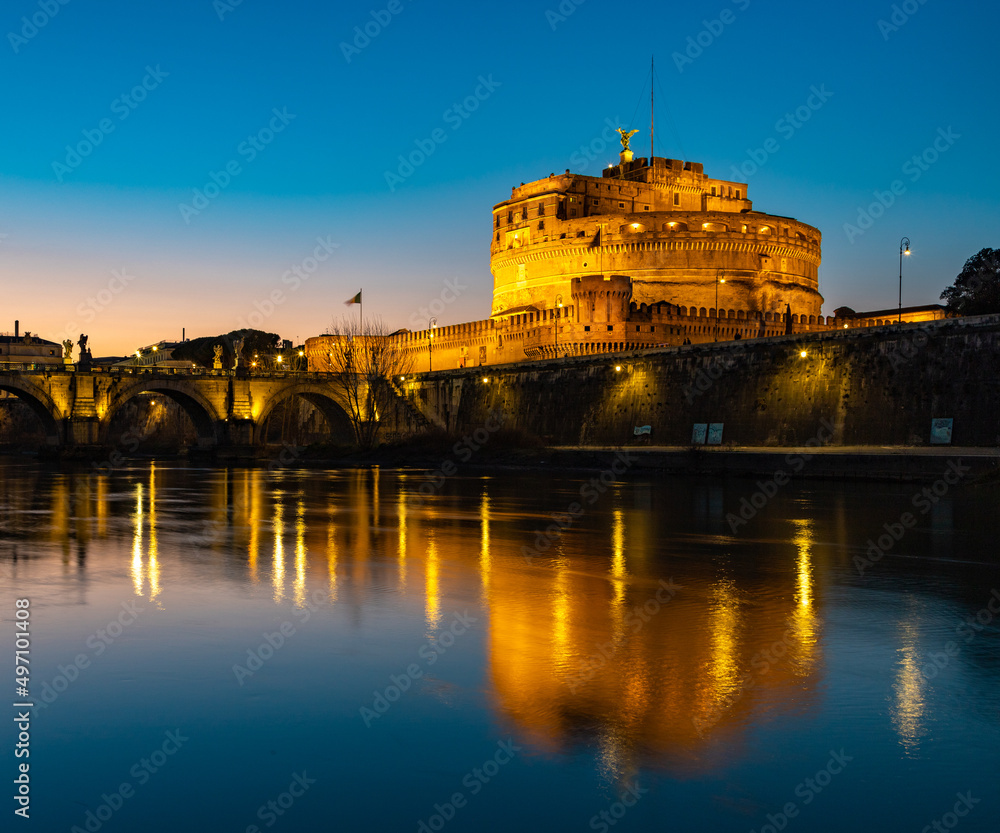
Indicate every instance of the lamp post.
{"type": "Point", "coordinates": [559, 303]}
{"type": "Point", "coordinates": [718, 279]}
{"type": "Point", "coordinates": [904, 242]}
{"type": "Point", "coordinates": [431, 324]}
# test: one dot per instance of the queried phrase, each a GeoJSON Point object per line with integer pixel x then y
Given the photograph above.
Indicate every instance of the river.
{"type": "Point", "coordinates": [309, 650]}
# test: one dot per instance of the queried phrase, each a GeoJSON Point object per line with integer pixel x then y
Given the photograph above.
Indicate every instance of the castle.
{"type": "Point", "coordinates": [651, 253]}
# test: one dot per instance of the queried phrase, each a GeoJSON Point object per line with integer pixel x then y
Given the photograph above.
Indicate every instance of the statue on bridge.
{"type": "Point", "coordinates": [237, 350]}
{"type": "Point", "coordinates": [67, 346]}
{"type": "Point", "coordinates": [85, 356]}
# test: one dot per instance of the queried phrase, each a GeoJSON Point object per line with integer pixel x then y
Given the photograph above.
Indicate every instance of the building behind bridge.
{"type": "Point", "coordinates": [28, 351]}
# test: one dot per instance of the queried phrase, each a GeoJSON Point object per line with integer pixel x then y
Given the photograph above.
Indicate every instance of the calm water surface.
{"type": "Point", "coordinates": [405, 663]}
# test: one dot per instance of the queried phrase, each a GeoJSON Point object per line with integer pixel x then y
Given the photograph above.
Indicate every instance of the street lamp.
{"type": "Point", "coordinates": [559, 303]}
{"type": "Point", "coordinates": [904, 242]}
{"type": "Point", "coordinates": [431, 324]}
{"type": "Point", "coordinates": [718, 279]}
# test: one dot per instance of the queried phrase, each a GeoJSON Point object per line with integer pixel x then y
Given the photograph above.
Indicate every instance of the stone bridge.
{"type": "Point", "coordinates": [77, 407]}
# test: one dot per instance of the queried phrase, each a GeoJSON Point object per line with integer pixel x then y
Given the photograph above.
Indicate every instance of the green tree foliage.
{"type": "Point", "coordinates": [976, 290]}
{"type": "Point", "coordinates": [202, 350]}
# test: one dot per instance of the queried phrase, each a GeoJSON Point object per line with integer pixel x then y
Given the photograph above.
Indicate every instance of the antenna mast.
{"type": "Point", "coordinates": [652, 105]}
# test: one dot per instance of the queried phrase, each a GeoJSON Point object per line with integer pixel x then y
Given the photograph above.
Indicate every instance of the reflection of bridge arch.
{"type": "Point", "coordinates": [41, 404]}
{"type": "Point", "coordinates": [329, 402]}
{"type": "Point", "coordinates": [201, 411]}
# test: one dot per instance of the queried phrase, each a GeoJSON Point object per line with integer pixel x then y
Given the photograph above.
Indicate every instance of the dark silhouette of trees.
{"type": "Point", "coordinates": [976, 290]}
{"type": "Point", "coordinates": [202, 350]}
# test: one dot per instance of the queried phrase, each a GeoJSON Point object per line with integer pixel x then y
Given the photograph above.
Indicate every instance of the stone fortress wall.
{"type": "Point", "coordinates": [647, 255]}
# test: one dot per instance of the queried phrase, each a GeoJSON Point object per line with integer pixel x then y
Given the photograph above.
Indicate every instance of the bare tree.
{"type": "Point", "coordinates": [367, 361]}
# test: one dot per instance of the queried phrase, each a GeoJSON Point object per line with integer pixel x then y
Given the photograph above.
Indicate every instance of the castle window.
{"type": "Point", "coordinates": [541, 209]}
{"type": "Point", "coordinates": [738, 194]}
{"type": "Point", "coordinates": [587, 329]}
{"type": "Point", "coordinates": [497, 221]}
{"type": "Point", "coordinates": [645, 208]}
{"type": "Point", "coordinates": [510, 217]}
{"type": "Point", "coordinates": [652, 329]}
{"type": "Point", "coordinates": [572, 212]}
{"type": "Point", "coordinates": [611, 328]}
{"type": "Point", "coordinates": [621, 205]}
{"type": "Point", "coordinates": [498, 237]}
{"type": "Point", "coordinates": [541, 225]}
{"type": "Point", "coordinates": [713, 191]}
{"type": "Point", "coordinates": [677, 198]}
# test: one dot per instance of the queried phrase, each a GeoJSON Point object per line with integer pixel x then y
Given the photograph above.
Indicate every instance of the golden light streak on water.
{"type": "Point", "coordinates": [300, 553]}
{"type": "Point", "coordinates": [138, 580]}
{"type": "Point", "coordinates": [278, 570]}
{"type": "Point", "coordinates": [401, 547]}
{"type": "Point", "coordinates": [804, 620]}
{"type": "Point", "coordinates": [485, 559]}
{"type": "Point", "coordinates": [909, 707]}
{"type": "Point", "coordinates": [619, 575]}
{"type": "Point", "coordinates": [154, 564]}
{"type": "Point", "coordinates": [431, 586]}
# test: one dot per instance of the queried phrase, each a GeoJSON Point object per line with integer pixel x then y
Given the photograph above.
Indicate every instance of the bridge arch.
{"type": "Point", "coordinates": [40, 403]}
{"type": "Point", "coordinates": [201, 411]}
{"type": "Point", "coordinates": [321, 397]}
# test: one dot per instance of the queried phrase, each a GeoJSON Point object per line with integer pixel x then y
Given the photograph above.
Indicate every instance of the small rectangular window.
{"type": "Point", "coordinates": [677, 199]}
{"type": "Point", "coordinates": [541, 209]}
{"type": "Point", "coordinates": [621, 205]}
{"type": "Point", "coordinates": [587, 329]}
{"type": "Point", "coordinates": [713, 190]}
{"type": "Point", "coordinates": [645, 208]}
{"type": "Point", "coordinates": [738, 194]}
{"type": "Point", "coordinates": [611, 328]}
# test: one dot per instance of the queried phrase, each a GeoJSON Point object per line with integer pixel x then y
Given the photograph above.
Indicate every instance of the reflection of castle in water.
{"type": "Point", "coordinates": [650, 647]}
{"type": "Point", "coordinates": [672, 666]}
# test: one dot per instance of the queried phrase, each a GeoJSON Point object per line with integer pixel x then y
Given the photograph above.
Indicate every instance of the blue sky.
{"type": "Point", "coordinates": [213, 76]}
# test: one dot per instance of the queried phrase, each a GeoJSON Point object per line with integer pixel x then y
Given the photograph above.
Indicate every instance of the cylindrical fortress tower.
{"type": "Point", "coordinates": [677, 234]}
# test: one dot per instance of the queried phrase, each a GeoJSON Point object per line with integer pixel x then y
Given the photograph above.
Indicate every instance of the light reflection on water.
{"type": "Point", "coordinates": [725, 692]}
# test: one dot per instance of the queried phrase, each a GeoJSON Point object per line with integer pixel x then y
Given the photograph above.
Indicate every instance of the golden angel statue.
{"type": "Point", "coordinates": [626, 135]}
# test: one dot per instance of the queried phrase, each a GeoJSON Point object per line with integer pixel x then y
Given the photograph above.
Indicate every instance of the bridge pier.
{"type": "Point", "coordinates": [82, 431]}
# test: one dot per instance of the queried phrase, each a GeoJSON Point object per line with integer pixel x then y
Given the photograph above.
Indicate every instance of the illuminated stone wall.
{"type": "Point", "coordinates": [878, 385]}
